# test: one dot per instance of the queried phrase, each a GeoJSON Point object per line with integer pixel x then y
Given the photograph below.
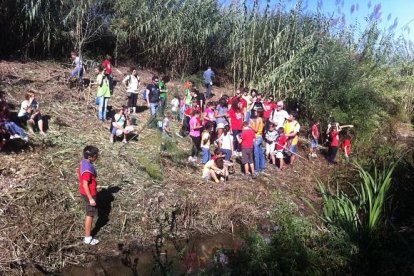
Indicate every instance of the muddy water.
{"type": "Point", "coordinates": [183, 257]}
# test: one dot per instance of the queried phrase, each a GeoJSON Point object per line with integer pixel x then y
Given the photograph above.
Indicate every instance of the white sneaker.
{"type": "Point", "coordinates": [26, 138]}
{"type": "Point", "coordinates": [12, 137]}
{"type": "Point", "coordinates": [90, 240]}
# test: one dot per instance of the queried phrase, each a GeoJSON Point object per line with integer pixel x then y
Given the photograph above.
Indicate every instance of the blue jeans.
{"type": "Point", "coordinates": [259, 158]}
{"type": "Point", "coordinates": [205, 155]}
{"type": "Point", "coordinates": [248, 114]}
{"type": "Point", "coordinates": [227, 154]}
{"type": "Point", "coordinates": [102, 107]}
{"type": "Point", "coordinates": [153, 108]}
{"type": "Point", "coordinates": [15, 129]}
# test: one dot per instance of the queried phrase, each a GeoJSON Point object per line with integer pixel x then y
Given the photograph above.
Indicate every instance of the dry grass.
{"type": "Point", "coordinates": [40, 211]}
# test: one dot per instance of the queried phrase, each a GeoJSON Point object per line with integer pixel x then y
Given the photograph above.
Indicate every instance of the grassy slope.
{"type": "Point", "coordinates": [41, 211]}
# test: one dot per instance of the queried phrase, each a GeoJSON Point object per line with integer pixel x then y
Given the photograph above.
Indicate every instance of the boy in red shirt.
{"type": "Point", "coordinates": [246, 139]}
{"type": "Point", "coordinates": [108, 71]}
{"type": "Point", "coordinates": [280, 146]}
{"type": "Point", "coordinates": [87, 188]}
{"type": "Point", "coordinates": [333, 148]}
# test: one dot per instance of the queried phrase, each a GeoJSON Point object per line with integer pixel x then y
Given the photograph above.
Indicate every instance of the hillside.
{"type": "Point", "coordinates": [143, 191]}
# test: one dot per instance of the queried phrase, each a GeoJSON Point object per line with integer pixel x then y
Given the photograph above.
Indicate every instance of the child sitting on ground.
{"type": "Point", "coordinates": [119, 126]}
{"type": "Point", "coordinates": [215, 170]}
{"type": "Point", "coordinates": [281, 144]}
{"type": "Point", "coordinates": [271, 137]}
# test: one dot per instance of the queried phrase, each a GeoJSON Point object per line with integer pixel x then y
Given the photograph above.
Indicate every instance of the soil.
{"type": "Point", "coordinates": [144, 194]}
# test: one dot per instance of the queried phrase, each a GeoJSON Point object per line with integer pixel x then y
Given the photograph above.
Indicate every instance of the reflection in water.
{"type": "Point", "coordinates": [184, 257]}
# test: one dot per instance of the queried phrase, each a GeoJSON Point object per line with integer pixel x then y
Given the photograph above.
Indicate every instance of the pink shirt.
{"type": "Point", "coordinates": [194, 121]}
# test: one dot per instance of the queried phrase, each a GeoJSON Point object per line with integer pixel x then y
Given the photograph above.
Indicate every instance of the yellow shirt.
{"type": "Point", "coordinates": [292, 127]}
{"type": "Point", "coordinates": [259, 126]}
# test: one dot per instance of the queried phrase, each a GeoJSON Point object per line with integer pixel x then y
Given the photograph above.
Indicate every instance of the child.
{"type": "Point", "coordinates": [205, 144]}
{"type": "Point", "coordinates": [195, 134]}
{"type": "Point", "coordinates": [281, 144]}
{"type": "Point", "coordinates": [215, 169]}
{"type": "Point", "coordinates": [333, 148]}
{"type": "Point", "coordinates": [271, 137]}
{"type": "Point", "coordinates": [166, 130]}
{"type": "Point", "coordinates": [225, 142]}
{"type": "Point", "coordinates": [87, 188]}
{"type": "Point", "coordinates": [175, 104]}
{"type": "Point", "coordinates": [29, 112]}
{"type": "Point", "coordinates": [314, 140]}
{"type": "Point", "coordinates": [118, 126]}
{"type": "Point", "coordinates": [346, 146]}
{"type": "Point", "coordinates": [247, 138]}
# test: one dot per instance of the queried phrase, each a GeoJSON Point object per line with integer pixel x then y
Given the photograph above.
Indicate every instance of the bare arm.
{"type": "Point", "coordinates": [88, 193]}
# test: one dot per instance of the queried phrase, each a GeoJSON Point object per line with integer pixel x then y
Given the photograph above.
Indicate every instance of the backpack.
{"type": "Point", "coordinates": [154, 94]}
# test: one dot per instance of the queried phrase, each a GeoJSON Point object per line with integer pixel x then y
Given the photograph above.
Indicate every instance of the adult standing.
{"type": "Point", "coordinates": [279, 115]}
{"type": "Point", "coordinates": [292, 128]}
{"type": "Point", "coordinates": [108, 72]}
{"type": "Point", "coordinates": [103, 93]}
{"type": "Point", "coordinates": [257, 126]}
{"type": "Point", "coordinates": [153, 96]}
{"type": "Point", "coordinates": [239, 98]}
{"type": "Point", "coordinates": [195, 134]}
{"type": "Point", "coordinates": [257, 105]}
{"type": "Point", "coordinates": [131, 82]}
{"type": "Point", "coordinates": [221, 116]}
{"type": "Point", "coordinates": [236, 124]}
{"type": "Point", "coordinates": [208, 76]}
{"type": "Point", "coordinates": [314, 139]}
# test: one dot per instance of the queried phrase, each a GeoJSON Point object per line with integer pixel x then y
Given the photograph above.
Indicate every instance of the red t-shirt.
{"type": "Point", "coordinates": [281, 142]}
{"type": "Point", "coordinates": [270, 106]}
{"type": "Point", "coordinates": [315, 131]}
{"type": "Point", "coordinates": [107, 65]}
{"type": "Point", "coordinates": [334, 138]}
{"type": "Point", "coordinates": [91, 183]}
{"type": "Point", "coordinates": [236, 119]}
{"type": "Point", "coordinates": [346, 146]}
{"type": "Point", "coordinates": [247, 136]}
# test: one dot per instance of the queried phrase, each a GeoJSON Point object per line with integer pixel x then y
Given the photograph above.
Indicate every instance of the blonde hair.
{"type": "Point", "coordinates": [29, 94]}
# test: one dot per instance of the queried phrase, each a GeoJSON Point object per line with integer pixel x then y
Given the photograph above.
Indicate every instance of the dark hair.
{"type": "Point", "coordinates": [223, 102]}
{"type": "Point", "coordinates": [281, 130]}
{"type": "Point", "coordinates": [260, 112]}
{"type": "Point", "coordinates": [219, 163]}
{"type": "Point", "coordinates": [255, 91]}
{"type": "Point", "coordinates": [132, 68]}
{"type": "Point", "coordinates": [165, 78]}
{"type": "Point", "coordinates": [155, 78]}
{"type": "Point", "coordinates": [294, 114]}
{"type": "Point", "coordinates": [245, 124]}
{"type": "Point", "coordinates": [195, 112]}
{"type": "Point", "coordinates": [235, 105]}
{"type": "Point", "coordinates": [100, 67]}
{"type": "Point", "coordinates": [208, 125]}
{"type": "Point", "coordinates": [217, 151]}
{"type": "Point", "coordinates": [90, 151]}
{"type": "Point", "coordinates": [226, 129]}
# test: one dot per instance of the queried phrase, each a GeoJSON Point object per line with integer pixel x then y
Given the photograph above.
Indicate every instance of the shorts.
{"type": "Point", "coordinates": [294, 148]}
{"type": "Point", "coordinates": [279, 154]}
{"type": "Point", "coordinates": [26, 118]}
{"type": "Point", "coordinates": [313, 143]}
{"type": "Point", "coordinates": [270, 148]}
{"type": "Point", "coordinates": [247, 156]}
{"type": "Point", "coordinates": [90, 210]}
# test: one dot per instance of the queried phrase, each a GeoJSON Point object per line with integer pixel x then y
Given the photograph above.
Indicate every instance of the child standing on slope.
{"type": "Point", "coordinates": [271, 137]}
{"type": "Point", "coordinates": [87, 188]}
{"type": "Point", "coordinates": [247, 138]}
{"type": "Point", "coordinates": [281, 144]}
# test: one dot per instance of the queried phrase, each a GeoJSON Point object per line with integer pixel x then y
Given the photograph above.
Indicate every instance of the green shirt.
{"type": "Point", "coordinates": [163, 89]}
{"type": "Point", "coordinates": [188, 97]}
{"type": "Point", "coordinates": [103, 90]}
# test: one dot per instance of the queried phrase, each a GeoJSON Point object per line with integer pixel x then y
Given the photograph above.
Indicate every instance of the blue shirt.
{"type": "Point", "coordinates": [208, 76]}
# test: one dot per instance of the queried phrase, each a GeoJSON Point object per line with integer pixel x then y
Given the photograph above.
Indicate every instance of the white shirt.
{"type": "Point", "coordinates": [226, 141]}
{"type": "Point", "coordinates": [133, 82]}
{"type": "Point", "coordinates": [175, 104]}
{"type": "Point", "coordinates": [279, 117]}
{"type": "Point", "coordinates": [25, 105]}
